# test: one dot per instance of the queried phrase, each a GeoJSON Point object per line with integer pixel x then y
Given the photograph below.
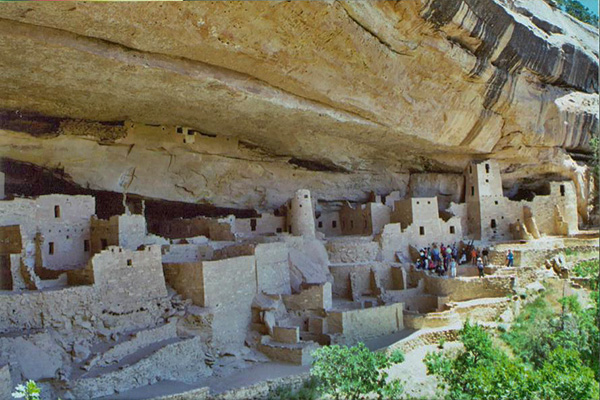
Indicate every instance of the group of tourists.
{"type": "Point", "coordinates": [445, 259]}
{"type": "Point", "coordinates": [439, 259]}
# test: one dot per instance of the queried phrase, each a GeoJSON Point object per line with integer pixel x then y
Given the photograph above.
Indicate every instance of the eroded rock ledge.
{"type": "Point", "coordinates": [339, 97]}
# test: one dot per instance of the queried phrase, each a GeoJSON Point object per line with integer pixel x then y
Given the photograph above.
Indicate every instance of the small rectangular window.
{"type": "Point", "coordinates": [51, 248]}
{"type": "Point", "coordinates": [320, 224]}
{"type": "Point", "coordinates": [334, 224]}
{"type": "Point", "coordinates": [421, 230]}
{"type": "Point", "coordinates": [562, 190]}
{"type": "Point", "coordinates": [179, 129]}
{"type": "Point", "coordinates": [452, 230]}
{"type": "Point", "coordinates": [253, 224]}
{"type": "Point", "coordinates": [86, 245]}
{"type": "Point", "coordinates": [103, 244]}
{"type": "Point", "coordinates": [56, 211]}
{"type": "Point", "coordinates": [472, 190]}
{"type": "Point", "coordinates": [493, 223]}
{"type": "Point", "coordinates": [129, 263]}
{"type": "Point", "coordinates": [496, 202]}
{"type": "Point", "coordinates": [306, 196]}
{"type": "Point", "coordinates": [487, 168]}
{"type": "Point", "coordinates": [279, 230]}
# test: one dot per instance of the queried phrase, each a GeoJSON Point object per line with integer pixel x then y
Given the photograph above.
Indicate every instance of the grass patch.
{"type": "Point", "coordinates": [308, 391]}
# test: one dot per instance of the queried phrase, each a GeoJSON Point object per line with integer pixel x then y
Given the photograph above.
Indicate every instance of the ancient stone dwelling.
{"type": "Point", "coordinates": [196, 195]}
{"type": "Point", "coordinates": [96, 301]}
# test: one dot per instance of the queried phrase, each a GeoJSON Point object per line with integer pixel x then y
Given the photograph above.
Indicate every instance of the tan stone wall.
{"type": "Point", "coordinates": [272, 268]}
{"type": "Point", "coordinates": [402, 213]}
{"type": "Point", "coordinates": [129, 276]}
{"type": "Point", "coordinates": [187, 279]}
{"type": "Point", "coordinates": [132, 231]}
{"type": "Point", "coordinates": [380, 216]}
{"type": "Point", "coordinates": [460, 289]}
{"type": "Point", "coordinates": [10, 239]}
{"type": "Point", "coordinates": [352, 250]}
{"type": "Point", "coordinates": [316, 297]}
{"type": "Point", "coordinates": [329, 224]}
{"type": "Point", "coordinates": [265, 224]}
{"type": "Point", "coordinates": [184, 228]}
{"type": "Point", "coordinates": [186, 253]}
{"type": "Point", "coordinates": [104, 231]}
{"type": "Point", "coordinates": [58, 223]}
{"type": "Point", "coordinates": [356, 220]}
{"type": "Point", "coordinates": [430, 320]}
{"type": "Point", "coordinates": [358, 325]}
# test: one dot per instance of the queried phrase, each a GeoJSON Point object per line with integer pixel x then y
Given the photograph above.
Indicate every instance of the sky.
{"type": "Point", "coordinates": [591, 4]}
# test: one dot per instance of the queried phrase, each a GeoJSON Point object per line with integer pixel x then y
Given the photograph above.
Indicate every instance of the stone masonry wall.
{"type": "Point", "coordinates": [129, 276]}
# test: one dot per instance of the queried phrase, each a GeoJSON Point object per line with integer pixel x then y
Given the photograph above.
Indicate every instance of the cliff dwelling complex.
{"type": "Point", "coordinates": [195, 196]}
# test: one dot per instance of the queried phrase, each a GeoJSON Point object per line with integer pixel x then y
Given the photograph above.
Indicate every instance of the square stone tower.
{"type": "Point", "coordinates": [485, 201]}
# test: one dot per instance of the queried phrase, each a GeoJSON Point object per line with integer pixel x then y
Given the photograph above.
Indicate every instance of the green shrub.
{"type": "Point", "coordinates": [485, 372]}
{"type": "Point", "coordinates": [308, 391]}
{"type": "Point", "coordinates": [28, 391]}
{"type": "Point", "coordinates": [588, 269]}
{"type": "Point", "coordinates": [355, 372]}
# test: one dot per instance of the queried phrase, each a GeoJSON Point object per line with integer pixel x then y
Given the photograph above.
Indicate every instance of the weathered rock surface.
{"type": "Point", "coordinates": [338, 97]}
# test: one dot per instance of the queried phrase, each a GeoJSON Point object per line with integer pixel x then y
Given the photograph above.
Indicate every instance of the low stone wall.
{"type": "Point", "coordinates": [425, 338]}
{"type": "Point", "coordinates": [413, 320]}
{"type": "Point", "coordinates": [460, 289]}
{"type": "Point", "coordinates": [482, 311]}
{"type": "Point", "coordinates": [352, 326]}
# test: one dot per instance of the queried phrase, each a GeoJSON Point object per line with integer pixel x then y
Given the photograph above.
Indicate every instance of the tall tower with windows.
{"type": "Point", "coordinates": [485, 201]}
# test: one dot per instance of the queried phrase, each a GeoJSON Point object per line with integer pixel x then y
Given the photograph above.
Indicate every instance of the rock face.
{"type": "Point", "coordinates": [338, 97]}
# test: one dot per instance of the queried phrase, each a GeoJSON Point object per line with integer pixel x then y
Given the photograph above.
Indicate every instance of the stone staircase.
{"type": "Point", "coordinates": [280, 332]}
{"type": "Point", "coordinates": [143, 359]}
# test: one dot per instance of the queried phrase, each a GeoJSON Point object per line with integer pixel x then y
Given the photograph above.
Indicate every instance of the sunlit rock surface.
{"type": "Point", "coordinates": [338, 97]}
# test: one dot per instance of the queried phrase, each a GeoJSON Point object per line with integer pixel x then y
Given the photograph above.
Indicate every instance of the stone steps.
{"type": "Point", "coordinates": [175, 359]}
{"type": "Point", "coordinates": [130, 344]}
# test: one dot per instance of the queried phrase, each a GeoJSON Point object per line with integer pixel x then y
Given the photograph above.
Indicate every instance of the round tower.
{"type": "Point", "coordinates": [301, 216]}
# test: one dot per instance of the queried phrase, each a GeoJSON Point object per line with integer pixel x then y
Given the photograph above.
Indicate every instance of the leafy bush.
{"type": "Point", "coordinates": [539, 330]}
{"type": "Point", "coordinates": [28, 391]}
{"type": "Point", "coordinates": [588, 269]}
{"type": "Point", "coordinates": [355, 372]}
{"type": "Point", "coordinates": [308, 391]}
{"type": "Point", "coordinates": [484, 371]}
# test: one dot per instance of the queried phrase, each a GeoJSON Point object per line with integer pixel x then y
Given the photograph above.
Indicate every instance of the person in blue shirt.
{"type": "Point", "coordinates": [510, 258]}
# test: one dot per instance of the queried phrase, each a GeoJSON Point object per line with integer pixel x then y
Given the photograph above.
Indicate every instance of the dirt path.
{"type": "Point", "coordinates": [414, 373]}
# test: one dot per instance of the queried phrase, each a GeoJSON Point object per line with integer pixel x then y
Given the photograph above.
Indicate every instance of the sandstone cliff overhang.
{"type": "Point", "coordinates": [340, 97]}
